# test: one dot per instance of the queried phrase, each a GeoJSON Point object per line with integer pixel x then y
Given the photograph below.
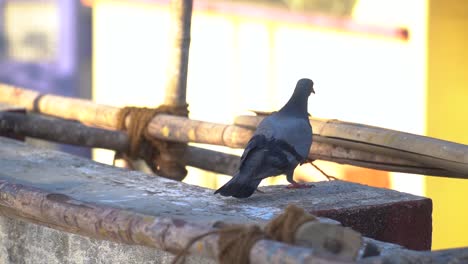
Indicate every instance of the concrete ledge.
{"type": "Point", "coordinates": [382, 214]}
{"type": "Point", "coordinates": [99, 184]}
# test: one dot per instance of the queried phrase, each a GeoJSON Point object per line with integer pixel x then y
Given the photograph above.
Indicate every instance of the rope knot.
{"type": "Point", "coordinates": [284, 226]}
{"type": "Point", "coordinates": [164, 158]}
{"type": "Point", "coordinates": [236, 241]}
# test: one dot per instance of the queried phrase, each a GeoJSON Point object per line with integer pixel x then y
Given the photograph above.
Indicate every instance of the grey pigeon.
{"type": "Point", "coordinates": [281, 142]}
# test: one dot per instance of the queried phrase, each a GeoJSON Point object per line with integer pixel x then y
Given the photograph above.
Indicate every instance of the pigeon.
{"type": "Point", "coordinates": [281, 142]}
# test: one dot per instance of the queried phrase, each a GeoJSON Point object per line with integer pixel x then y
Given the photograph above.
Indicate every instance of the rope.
{"type": "Point", "coordinates": [329, 177]}
{"type": "Point", "coordinates": [158, 154]}
{"type": "Point", "coordinates": [234, 244]}
{"type": "Point", "coordinates": [236, 241]}
{"type": "Point", "coordinates": [284, 226]}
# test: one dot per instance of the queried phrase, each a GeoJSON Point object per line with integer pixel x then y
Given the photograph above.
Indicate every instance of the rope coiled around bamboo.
{"type": "Point", "coordinates": [236, 241]}
{"type": "Point", "coordinates": [164, 158]}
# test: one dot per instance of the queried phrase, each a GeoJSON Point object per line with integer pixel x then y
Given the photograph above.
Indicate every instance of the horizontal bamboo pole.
{"type": "Point", "coordinates": [433, 153]}
{"type": "Point", "coordinates": [382, 137]}
{"type": "Point", "coordinates": [62, 131]}
{"type": "Point", "coordinates": [213, 161]}
{"type": "Point", "coordinates": [81, 110]}
{"type": "Point", "coordinates": [74, 133]}
{"type": "Point", "coordinates": [11, 108]}
{"type": "Point", "coordinates": [106, 116]}
{"type": "Point", "coordinates": [371, 160]}
{"type": "Point", "coordinates": [64, 213]}
{"type": "Point", "coordinates": [332, 146]}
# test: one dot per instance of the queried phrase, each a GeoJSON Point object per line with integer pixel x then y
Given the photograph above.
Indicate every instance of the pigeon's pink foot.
{"type": "Point", "coordinates": [299, 186]}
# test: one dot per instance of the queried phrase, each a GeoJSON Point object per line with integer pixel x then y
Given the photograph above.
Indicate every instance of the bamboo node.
{"type": "Point", "coordinates": [164, 158]}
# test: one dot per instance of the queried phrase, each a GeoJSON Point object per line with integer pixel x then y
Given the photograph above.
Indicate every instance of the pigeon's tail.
{"type": "Point", "coordinates": [239, 187]}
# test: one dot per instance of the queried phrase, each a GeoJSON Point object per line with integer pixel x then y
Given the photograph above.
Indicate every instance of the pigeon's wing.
{"type": "Point", "coordinates": [292, 134]}
{"type": "Point", "coordinates": [256, 142]}
{"type": "Point", "coordinates": [285, 147]}
{"type": "Point", "coordinates": [273, 161]}
{"type": "Point", "coordinates": [269, 152]}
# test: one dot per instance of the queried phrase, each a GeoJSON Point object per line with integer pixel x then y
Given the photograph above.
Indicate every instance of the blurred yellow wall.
{"type": "Point", "coordinates": [447, 114]}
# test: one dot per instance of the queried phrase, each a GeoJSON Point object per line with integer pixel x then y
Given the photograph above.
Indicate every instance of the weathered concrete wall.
{"type": "Point", "coordinates": [22, 242]}
{"type": "Point", "coordinates": [83, 180]}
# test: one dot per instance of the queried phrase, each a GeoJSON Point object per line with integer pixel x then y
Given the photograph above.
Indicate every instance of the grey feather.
{"type": "Point", "coordinates": [281, 142]}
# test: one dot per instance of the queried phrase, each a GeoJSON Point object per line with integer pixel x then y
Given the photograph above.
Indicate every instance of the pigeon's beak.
{"type": "Point", "coordinates": [313, 90]}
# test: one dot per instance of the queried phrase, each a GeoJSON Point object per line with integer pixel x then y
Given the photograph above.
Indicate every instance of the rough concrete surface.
{"type": "Point", "coordinates": [89, 181]}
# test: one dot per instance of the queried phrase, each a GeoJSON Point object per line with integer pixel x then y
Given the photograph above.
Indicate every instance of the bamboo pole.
{"type": "Point", "coordinates": [176, 87]}
{"type": "Point", "coordinates": [62, 131]}
{"type": "Point", "coordinates": [13, 109]}
{"type": "Point", "coordinates": [106, 116]}
{"type": "Point", "coordinates": [74, 133]}
{"type": "Point", "coordinates": [432, 152]}
{"type": "Point", "coordinates": [64, 213]}
{"type": "Point", "coordinates": [213, 161]}
{"type": "Point", "coordinates": [371, 135]}
{"type": "Point", "coordinates": [336, 147]}
{"type": "Point", "coordinates": [81, 110]}
{"type": "Point", "coordinates": [70, 132]}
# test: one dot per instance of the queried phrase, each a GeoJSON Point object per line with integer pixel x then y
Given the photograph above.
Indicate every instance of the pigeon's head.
{"type": "Point", "coordinates": [304, 87]}
{"type": "Point", "coordinates": [297, 104]}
